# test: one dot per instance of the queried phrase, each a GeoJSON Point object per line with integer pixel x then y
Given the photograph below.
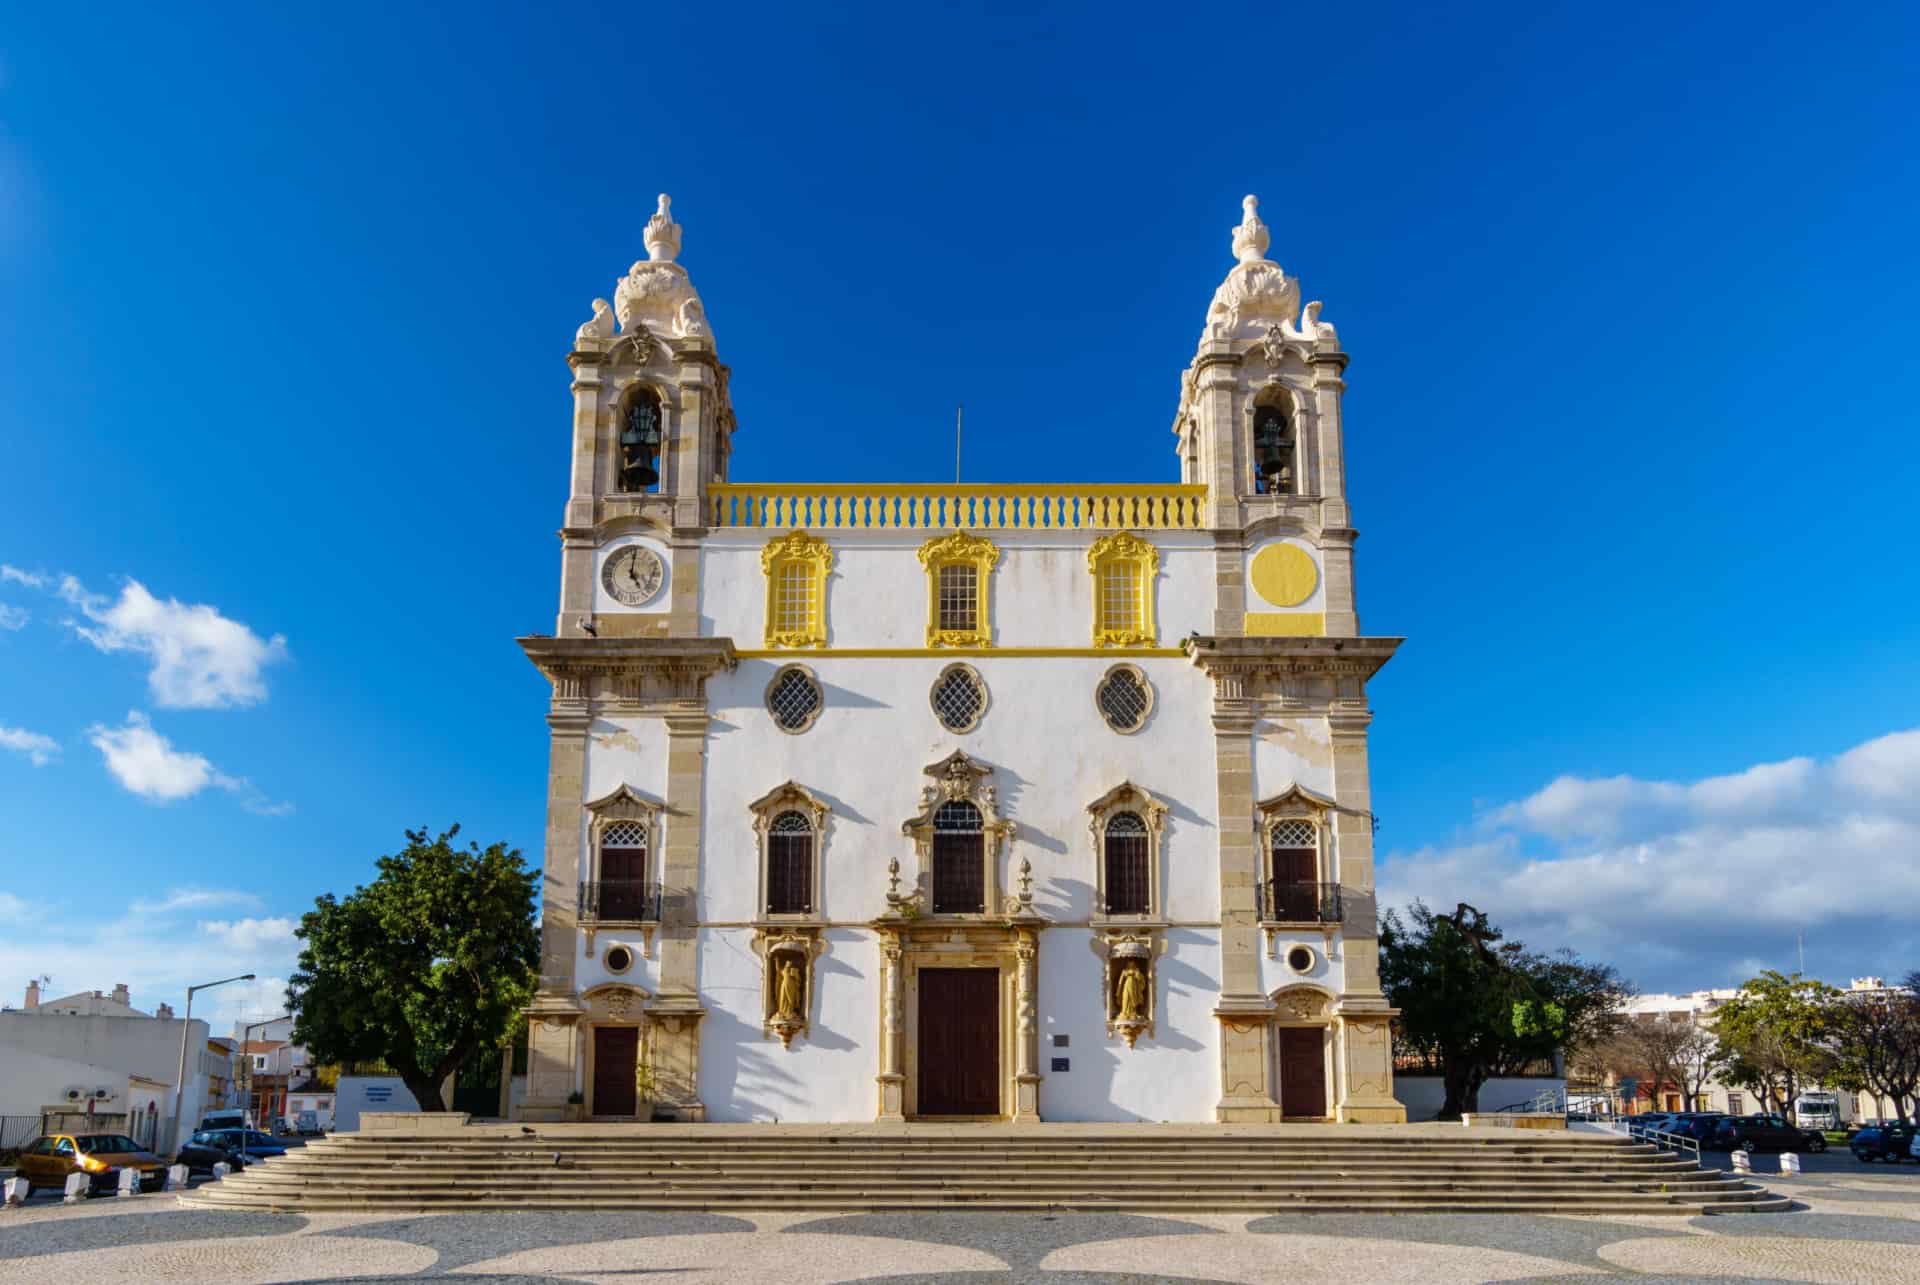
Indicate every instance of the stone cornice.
{"type": "Point", "coordinates": [672, 667]}
{"type": "Point", "coordinates": [1253, 657]}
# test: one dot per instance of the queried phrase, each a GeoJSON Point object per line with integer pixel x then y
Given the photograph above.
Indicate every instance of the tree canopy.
{"type": "Point", "coordinates": [422, 968]}
{"type": "Point", "coordinates": [1480, 1005]}
{"type": "Point", "coordinates": [1777, 1036]}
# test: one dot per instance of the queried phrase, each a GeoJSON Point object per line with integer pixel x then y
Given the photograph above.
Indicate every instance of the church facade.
{"type": "Point", "coordinates": [1002, 802]}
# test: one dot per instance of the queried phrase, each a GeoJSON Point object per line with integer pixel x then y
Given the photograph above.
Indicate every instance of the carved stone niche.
{"type": "Point", "coordinates": [1128, 982]}
{"type": "Point", "coordinates": [958, 778]}
{"type": "Point", "coordinates": [787, 979]}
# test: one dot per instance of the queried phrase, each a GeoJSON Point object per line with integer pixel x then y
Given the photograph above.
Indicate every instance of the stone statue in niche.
{"type": "Point", "coordinates": [1133, 992]}
{"type": "Point", "coordinates": [791, 993]}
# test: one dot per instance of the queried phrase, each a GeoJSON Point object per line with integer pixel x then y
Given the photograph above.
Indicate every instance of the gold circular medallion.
{"type": "Point", "coordinates": [1284, 575]}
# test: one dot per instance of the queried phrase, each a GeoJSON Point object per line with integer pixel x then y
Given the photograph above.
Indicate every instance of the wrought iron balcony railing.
{"type": "Point", "coordinates": [1283, 901]}
{"type": "Point", "coordinates": [620, 901]}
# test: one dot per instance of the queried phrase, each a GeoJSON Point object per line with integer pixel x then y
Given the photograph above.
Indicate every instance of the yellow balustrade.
{"type": "Point", "coordinates": [844, 506]}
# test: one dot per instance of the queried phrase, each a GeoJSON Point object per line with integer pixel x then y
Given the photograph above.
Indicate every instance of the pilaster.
{"type": "Point", "coordinates": [1246, 1093]}
{"type": "Point", "coordinates": [551, 1053]}
{"type": "Point", "coordinates": [892, 1080]}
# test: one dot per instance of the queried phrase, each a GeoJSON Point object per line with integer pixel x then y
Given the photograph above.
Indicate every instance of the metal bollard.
{"type": "Point", "coordinates": [221, 1169]}
{"type": "Point", "coordinates": [129, 1183]}
{"type": "Point", "coordinates": [16, 1191]}
{"type": "Point", "coordinates": [1742, 1162]}
{"type": "Point", "coordinates": [176, 1178]}
{"type": "Point", "coordinates": [78, 1184]}
{"type": "Point", "coordinates": [1789, 1162]}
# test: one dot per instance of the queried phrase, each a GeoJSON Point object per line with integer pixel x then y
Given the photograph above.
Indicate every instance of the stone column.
{"type": "Point", "coordinates": [1365, 1041]}
{"type": "Point", "coordinates": [1026, 1080]}
{"type": "Point", "coordinates": [551, 1053]}
{"type": "Point", "coordinates": [892, 1080]}
{"type": "Point", "coordinates": [1244, 1009]}
{"type": "Point", "coordinates": [677, 1009]}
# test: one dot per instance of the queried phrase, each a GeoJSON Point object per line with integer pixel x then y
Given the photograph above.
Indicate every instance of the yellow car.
{"type": "Point", "coordinates": [101, 1156]}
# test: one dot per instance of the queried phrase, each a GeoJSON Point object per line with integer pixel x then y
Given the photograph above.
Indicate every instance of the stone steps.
{"type": "Point", "coordinates": [1134, 1170]}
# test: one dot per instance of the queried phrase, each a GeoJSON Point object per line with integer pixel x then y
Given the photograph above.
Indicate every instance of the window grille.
{"type": "Point", "coordinates": [794, 700]}
{"type": "Point", "coordinates": [1293, 834]}
{"type": "Point", "coordinates": [790, 865]}
{"type": "Point", "coordinates": [959, 860]}
{"type": "Point", "coordinates": [623, 870]}
{"type": "Point", "coordinates": [1123, 700]}
{"type": "Point", "coordinates": [624, 834]}
{"type": "Point", "coordinates": [959, 698]}
{"type": "Point", "coordinates": [1120, 595]}
{"type": "Point", "coordinates": [959, 596]}
{"type": "Point", "coordinates": [1128, 888]}
{"type": "Point", "coordinates": [793, 598]}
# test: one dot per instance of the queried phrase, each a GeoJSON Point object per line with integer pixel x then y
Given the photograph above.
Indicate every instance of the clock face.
{"type": "Point", "coordinates": [633, 575]}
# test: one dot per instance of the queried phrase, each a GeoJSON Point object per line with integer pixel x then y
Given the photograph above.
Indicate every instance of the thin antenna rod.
{"type": "Point", "coordinates": [957, 409]}
{"type": "Point", "coordinates": [1803, 953]}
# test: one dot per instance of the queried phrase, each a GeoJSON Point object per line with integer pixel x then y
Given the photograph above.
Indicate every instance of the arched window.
{"type": "Point", "coordinates": [959, 860]}
{"type": "Point", "coordinates": [640, 438]}
{"type": "Point", "coordinates": [623, 872]}
{"type": "Point", "coordinates": [1129, 888]}
{"type": "Point", "coordinates": [1273, 452]}
{"type": "Point", "coordinates": [1123, 567]}
{"type": "Point", "coordinates": [790, 865]}
{"type": "Point", "coordinates": [1294, 865]}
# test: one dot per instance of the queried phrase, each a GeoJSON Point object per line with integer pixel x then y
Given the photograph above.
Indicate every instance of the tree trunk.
{"type": "Point", "coordinates": [1463, 1090]}
{"type": "Point", "coordinates": [425, 1091]}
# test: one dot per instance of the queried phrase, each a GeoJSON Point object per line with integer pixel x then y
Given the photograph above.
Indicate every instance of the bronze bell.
{"type": "Point", "coordinates": [1273, 450]}
{"type": "Point", "coordinates": [640, 446]}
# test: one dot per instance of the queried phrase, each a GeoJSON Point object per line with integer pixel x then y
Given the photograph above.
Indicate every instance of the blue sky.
{"type": "Point", "coordinates": [1630, 423]}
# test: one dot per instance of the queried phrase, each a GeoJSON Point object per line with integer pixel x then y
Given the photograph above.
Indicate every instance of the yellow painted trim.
{"type": "Point", "coordinates": [960, 549]}
{"type": "Point", "coordinates": [907, 653]}
{"type": "Point", "coordinates": [1286, 624]}
{"type": "Point", "coordinates": [969, 506]}
{"type": "Point", "coordinates": [797, 548]}
{"type": "Point", "coordinates": [1284, 574]}
{"type": "Point", "coordinates": [1125, 546]}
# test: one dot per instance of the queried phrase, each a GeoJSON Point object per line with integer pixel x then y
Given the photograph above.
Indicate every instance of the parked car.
{"type": "Point", "coordinates": [1889, 1142]}
{"type": "Point", "coordinates": [1698, 1125]}
{"type": "Point", "coordinates": [205, 1149]}
{"type": "Point", "coordinates": [101, 1156]}
{"type": "Point", "coordinates": [1765, 1133]}
{"type": "Point", "coordinates": [225, 1118]}
{"type": "Point", "coordinates": [1662, 1121]}
{"type": "Point", "coordinates": [256, 1145]}
{"type": "Point", "coordinates": [306, 1124]}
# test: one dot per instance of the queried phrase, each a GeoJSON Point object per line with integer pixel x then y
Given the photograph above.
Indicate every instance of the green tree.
{"type": "Point", "coordinates": [1876, 1044]}
{"type": "Point", "coordinates": [420, 969]}
{"type": "Point", "coordinates": [1478, 1005]}
{"type": "Point", "coordinates": [1777, 1036]}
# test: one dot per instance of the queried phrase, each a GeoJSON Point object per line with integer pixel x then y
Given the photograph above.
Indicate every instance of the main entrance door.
{"type": "Point", "coordinates": [616, 1049]}
{"type": "Point", "coordinates": [959, 1042]}
{"type": "Point", "coordinates": [1303, 1072]}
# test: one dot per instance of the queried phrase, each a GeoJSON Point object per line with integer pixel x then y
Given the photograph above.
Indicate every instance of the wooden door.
{"type": "Point", "coordinates": [616, 1049]}
{"type": "Point", "coordinates": [1303, 1072]}
{"type": "Point", "coordinates": [959, 1043]}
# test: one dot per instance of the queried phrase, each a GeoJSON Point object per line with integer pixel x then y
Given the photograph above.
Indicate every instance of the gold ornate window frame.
{"type": "Point", "coordinates": [1127, 797]}
{"type": "Point", "coordinates": [621, 805]}
{"type": "Point", "coordinates": [960, 549]}
{"type": "Point", "coordinates": [814, 557]}
{"type": "Point", "coordinates": [790, 796]}
{"type": "Point", "coordinates": [1124, 548]}
{"type": "Point", "coordinates": [958, 778]}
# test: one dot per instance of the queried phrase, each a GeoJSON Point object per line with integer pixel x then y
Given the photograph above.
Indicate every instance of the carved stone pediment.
{"type": "Point", "coordinates": [616, 1002]}
{"type": "Point", "coordinates": [1297, 800]}
{"type": "Point", "coordinates": [1302, 1004]}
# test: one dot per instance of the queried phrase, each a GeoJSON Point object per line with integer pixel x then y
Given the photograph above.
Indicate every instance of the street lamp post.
{"type": "Point", "coordinates": [186, 1026]}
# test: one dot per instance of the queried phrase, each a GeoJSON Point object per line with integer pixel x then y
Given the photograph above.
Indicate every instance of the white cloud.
{"type": "Point", "coordinates": [40, 750]}
{"type": "Point", "coordinates": [201, 659]}
{"type": "Point", "coordinates": [13, 618]}
{"type": "Point", "coordinates": [27, 578]}
{"type": "Point", "coordinates": [146, 763]}
{"type": "Point", "coordinates": [14, 909]}
{"type": "Point", "coordinates": [1683, 884]}
{"type": "Point", "coordinates": [194, 899]}
{"type": "Point", "coordinates": [252, 936]}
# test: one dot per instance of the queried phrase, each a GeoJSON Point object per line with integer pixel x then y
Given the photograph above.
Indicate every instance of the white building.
{"type": "Point", "coordinates": [974, 801]}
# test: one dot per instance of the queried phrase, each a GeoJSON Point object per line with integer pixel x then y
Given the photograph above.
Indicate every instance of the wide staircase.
{"type": "Point", "coordinates": [717, 1168]}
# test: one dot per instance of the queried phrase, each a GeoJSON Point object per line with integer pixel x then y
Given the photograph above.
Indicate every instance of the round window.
{"type": "Point", "coordinates": [619, 959]}
{"type": "Point", "coordinates": [1300, 959]}
{"type": "Point", "coordinates": [959, 698]}
{"type": "Point", "coordinates": [794, 699]}
{"type": "Point", "coordinates": [1124, 699]}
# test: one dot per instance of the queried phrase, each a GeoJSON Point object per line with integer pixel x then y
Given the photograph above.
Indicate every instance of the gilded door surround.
{"type": "Point", "coordinates": [1011, 947]}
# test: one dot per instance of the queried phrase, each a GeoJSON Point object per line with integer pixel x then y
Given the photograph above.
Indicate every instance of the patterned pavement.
{"type": "Point", "coordinates": [1858, 1223]}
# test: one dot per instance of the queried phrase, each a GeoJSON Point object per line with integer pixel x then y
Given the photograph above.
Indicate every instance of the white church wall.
{"type": "Point", "coordinates": [1172, 1074]}
{"type": "Point", "coordinates": [625, 751]}
{"type": "Point", "coordinates": [828, 1074]}
{"type": "Point", "coordinates": [1042, 593]}
{"type": "Point", "coordinates": [1328, 971]}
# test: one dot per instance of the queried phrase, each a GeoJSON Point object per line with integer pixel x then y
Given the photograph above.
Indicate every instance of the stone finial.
{"type": "Point", "coordinates": [663, 234]}
{"type": "Point", "coordinates": [598, 326]}
{"type": "Point", "coordinates": [1250, 239]}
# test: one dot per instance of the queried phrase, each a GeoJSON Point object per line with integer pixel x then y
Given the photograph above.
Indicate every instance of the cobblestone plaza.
{"type": "Point", "coordinates": [1857, 1224]}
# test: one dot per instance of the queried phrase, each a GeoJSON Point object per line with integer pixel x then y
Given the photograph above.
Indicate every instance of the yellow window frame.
{"type": "Point", "coordinates": [1124, 549]}
{"type": "Point", "coordinates": [960, 549]}
{"type": "Point", "coordinates": [813, 557]}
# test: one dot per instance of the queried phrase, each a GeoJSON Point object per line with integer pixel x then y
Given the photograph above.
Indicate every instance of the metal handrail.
{"type": "Point", "coordinates": [1293, 901]}
{"type": "Point", "coordinates": [1545, 1102]}
{"type": "Point", "coordinates": [620, 901]}
{"type": "Point", "coordinates": [1661, 1138]}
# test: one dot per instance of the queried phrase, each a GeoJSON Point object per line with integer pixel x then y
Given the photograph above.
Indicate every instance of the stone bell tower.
{"type": "Point", "coordinates": [1259, 424]}
{"type": "Point", "coordinates": [652, 428]}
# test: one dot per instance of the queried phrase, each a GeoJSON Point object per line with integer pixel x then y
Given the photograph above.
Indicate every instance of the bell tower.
{"type": "Point", "coordinates": [652, 428]}
{"type": "Point", "coordinates": [1259, 424]}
